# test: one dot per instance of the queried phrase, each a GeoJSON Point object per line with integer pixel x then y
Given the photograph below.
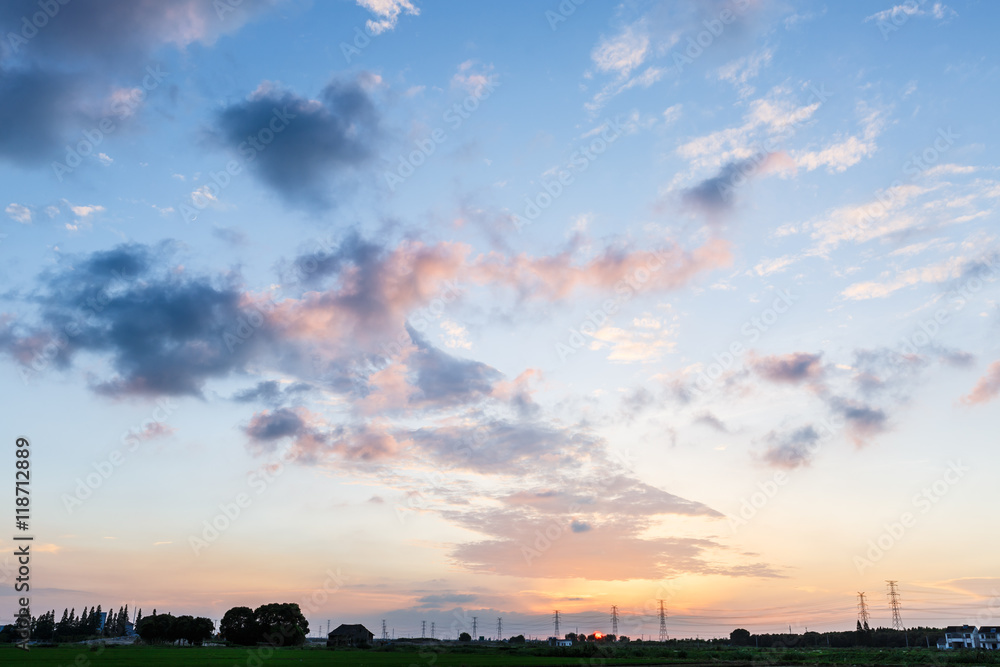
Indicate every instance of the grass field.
{"type": "Point", "coordinates": [83, 656]}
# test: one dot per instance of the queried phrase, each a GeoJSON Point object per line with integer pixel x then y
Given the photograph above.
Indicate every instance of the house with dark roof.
{"type": "Point", "coordinates": [988, 637]}
{"type": "Point", "coordinates": [961, 636]}
{"type": "Point", "coordinates": [350, 635]}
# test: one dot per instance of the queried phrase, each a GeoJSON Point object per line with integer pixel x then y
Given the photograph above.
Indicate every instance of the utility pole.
{"type": "Point", "coordinates": [556, 616]}
{"type": "Point", "coordinates": [663, 623]}
{"type": "Point", "coordinates": [893, 595]}
{"type": "Point", "coordinates": [863, 616]}
{"type": "Point", "coordinates": [614, 620]}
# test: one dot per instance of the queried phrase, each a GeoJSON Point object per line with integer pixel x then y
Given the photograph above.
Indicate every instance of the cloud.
{"type": "Point", "coordinates": [439, 600]}
{"type": "Point", "coordinates": [714, 195]}
{"type": "Point", "coordinates": [119, 33]}
{"type": "Point", "coordinates": [300, 146]}
{"type": "Point", "coordinates": [163, 331]}
{"type": "Point", "coordinates": [986, 388]}
{"type": "Point", "coordinates": [623, 52]}
{"type": "Point", "coordinates": [49, 105]}
{"type": "Point", "coordinates": [710, 420]}
{"type": "Point", "coordinates": [792, 368]}
{"type": "Point", "coordinates": [791, 450]}
{"type": "Point", "coordinates": [271, 392]}
{"type": "Point", "coordinates": [847, 152]}
{"type": "Point", "coordinates": [938, 10]}
{"type": "Point", "coordinates": [19, 213]}
{"type": "Point", "coordinates": [742, 70]}
{"type": "Point", "coordinates": [388, 12]}
{"type": "Point", "coordinates": [555, 277]}
{"type": "Point", "coordinates": [445, 380]}
{"type": "Point", "coordinates": [863, 421]}
{"type": "Point", "coordinates": [539, 547]}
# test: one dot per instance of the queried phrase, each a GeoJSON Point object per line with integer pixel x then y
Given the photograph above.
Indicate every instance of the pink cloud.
{"type": "Point", "coordinates": [986, 388]}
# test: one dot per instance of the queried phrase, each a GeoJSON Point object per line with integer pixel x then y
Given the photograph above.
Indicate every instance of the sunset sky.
{"type": "Point", "coordinates": [494, 308]}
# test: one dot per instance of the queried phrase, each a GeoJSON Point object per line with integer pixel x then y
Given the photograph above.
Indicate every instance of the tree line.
{"type": "Point", "coordinates": [71, 627]}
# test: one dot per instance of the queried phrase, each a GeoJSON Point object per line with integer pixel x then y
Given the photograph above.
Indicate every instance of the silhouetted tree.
{"type": "Point", "coordinates": [239, 627]}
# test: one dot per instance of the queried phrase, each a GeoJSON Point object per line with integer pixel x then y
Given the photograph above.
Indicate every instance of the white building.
{"type": "Point", "coordinates": [987, 638]}
{"type": "Point", "coordinates": [961, 636]}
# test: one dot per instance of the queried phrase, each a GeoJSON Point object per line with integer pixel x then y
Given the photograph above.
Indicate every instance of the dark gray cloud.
{"type": "Point", "coordinates": [37, 110]}
{"type": "Point", "coordinates": [440, 600]}
{"type": "Point", "coordinates": [270, 426]}
{"type": "Point", "coordinates": [166, 333]}
{"type": "Point", "coordinates": [710, 420]}
{"type": "Point", "coordinates": [791, 450]}
{"type": "Point", "coordinates": [271, 392]}
{"type": "Point", "coordinates": [793, 368]}
{"type": "Point", "coordinates": [116, 33]}
{"type": "Point", "coordinates": [715, 195]}
{"type": "Point", "coordinates": [862, 421]}
{"type": "Point", "coordinates": [446, 380]}
{"type": "Point", "coordinates": [300, 147]}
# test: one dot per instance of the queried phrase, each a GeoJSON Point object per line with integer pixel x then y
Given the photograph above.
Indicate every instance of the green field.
{"type": "Point", "coordinates": [79, 656]}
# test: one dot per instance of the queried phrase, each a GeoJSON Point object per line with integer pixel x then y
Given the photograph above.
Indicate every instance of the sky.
{"type": "Point", "coordinates": [423, 311]}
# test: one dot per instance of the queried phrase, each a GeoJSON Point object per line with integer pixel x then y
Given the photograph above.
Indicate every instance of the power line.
{"type": "Point", "coordinates": [893, 595]}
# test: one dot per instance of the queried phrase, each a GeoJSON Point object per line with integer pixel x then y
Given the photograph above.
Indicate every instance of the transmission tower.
{"type": "Point", "coordinates": [499, 627]}
{"type": "Point", "coordinates": [475, 636]}
{"type": "Point", "coordinates": [556, 618]}
{"type": "Point", "coordinates": [432, 629]}
{"type": "Point", "coordinates": [893, 594]}
{"type": "Point", "coordinates": [663, 623]}
{"type": "Point", "coordinates": [614, 620]}
{"type": "Point", "coordinates": [385, 635]}
{"type": "Point", "coordinates": [863, 617]}
{"type": "Point", "coordinates": [423, 629]}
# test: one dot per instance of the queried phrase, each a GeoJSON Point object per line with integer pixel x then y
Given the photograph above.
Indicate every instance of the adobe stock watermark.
{"type": "Point", "coordinates": [454, 116]}
{"type": "Point", "coordinates": [579, 161]}
{"type": "Point", "coordinates": [105, 468]}
{"type": "Point", "coordinates": [30, 27]}
{"type": "Point", "coordinates": [248, 150]}
{"type": "Point", "coordinates": [626, 289]}
{"type": "Point", "coordinates": [310, 605]}
{"type": "Point", "coordinates": [913, 167]}
{"type": "Point", "coordinates": [230, 511]}
{"type": "Point", "coordinates": [768, 489]}
{"type": "Point", "coordinates": [924, 501]}
{"type": "Point", "coordinates": [555, 529]}
{"type": "Point", "coordinates": [247, 324]}
{"type": "Point", "coordinates": [96, 303]}
{"type": "Point", "coordinates": [927, 329]}
{"type": "Point", "coordinates": [563, 11]}
{"type": "Point", "coordinates": [704, 39]}
{"type": "Point", "coordinates": [751, 330]}
{"type": "Point", "coordinates": [894, 18]}
{"type": "Point", "coordinates": [421, 318]}
{"type": "Point", "coordinates": [440, 478]}
{"type": "Point", "coordinates": [121, 108]}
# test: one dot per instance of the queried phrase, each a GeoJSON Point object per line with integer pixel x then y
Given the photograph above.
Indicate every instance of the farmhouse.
{"type": "Point", "coordinates": [960, 636]}
{"type": "Point", "coordinates": [350, 635]}
{"type": "Point", "coordinates": [988, 638]}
